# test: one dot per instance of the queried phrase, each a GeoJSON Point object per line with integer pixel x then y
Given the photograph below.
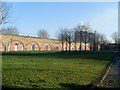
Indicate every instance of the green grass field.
{"type": "Point", "coordinates": [52, 69]}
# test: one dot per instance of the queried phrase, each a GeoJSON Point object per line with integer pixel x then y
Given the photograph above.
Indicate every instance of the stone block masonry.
{"type": "Point", "coordinates": [28, 43]}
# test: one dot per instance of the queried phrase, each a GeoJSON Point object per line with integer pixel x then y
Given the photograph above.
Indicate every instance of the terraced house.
{"type": "Point", "coordinates": [27, 43]}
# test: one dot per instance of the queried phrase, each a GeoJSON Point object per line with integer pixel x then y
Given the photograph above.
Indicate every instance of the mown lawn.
{"type": "Point", "coordinates": [52, 69]}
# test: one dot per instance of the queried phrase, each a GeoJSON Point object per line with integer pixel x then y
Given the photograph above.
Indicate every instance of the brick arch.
{"type": "Point", "coordinates": [57, 46]}
{"type": "Point", "coordinates": [1, 46]}
{"type": "Point", "coordinates": [33, 45]}
{"type": "Point", "coordinates": [46, 46]}
{"type": "Point", "coordinates": [15, 45]}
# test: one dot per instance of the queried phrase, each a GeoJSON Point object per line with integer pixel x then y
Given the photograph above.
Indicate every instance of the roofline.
{"type": "Point", "coordinates": [30, 36]}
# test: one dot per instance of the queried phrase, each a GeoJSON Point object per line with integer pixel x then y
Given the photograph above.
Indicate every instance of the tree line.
{"type": "Point", "coordinates": [81, 34]}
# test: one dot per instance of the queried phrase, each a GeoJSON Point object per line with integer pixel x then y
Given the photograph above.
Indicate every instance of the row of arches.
{"type": "Point", "coordinates": [17, 45]}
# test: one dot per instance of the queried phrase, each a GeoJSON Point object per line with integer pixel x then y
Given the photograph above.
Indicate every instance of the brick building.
{"type": "Point", "coordinates": [27, 43]}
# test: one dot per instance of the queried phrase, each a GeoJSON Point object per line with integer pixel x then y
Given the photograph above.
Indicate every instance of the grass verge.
{"type": "Point", "coordinates": [53, 69]}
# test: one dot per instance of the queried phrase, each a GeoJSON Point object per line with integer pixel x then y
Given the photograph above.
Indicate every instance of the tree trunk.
{"type": "Point", "coordinates": [85, 46]}
{"type": "Point", "coordinates": [69, 46]}
{"type": "Point", "coordinates": [66, 45]}
{"type": "Point", "coordinates": [75, 46]}
{"type": "Point", "coordinates": [62, 45]}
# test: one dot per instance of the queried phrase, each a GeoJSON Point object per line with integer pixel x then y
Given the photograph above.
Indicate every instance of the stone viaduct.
{"type": "Point", "coordinates": [28, 43]}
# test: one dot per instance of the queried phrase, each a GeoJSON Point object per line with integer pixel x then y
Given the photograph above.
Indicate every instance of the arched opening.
{"type": "Point", "coordinates": [46, 47]}
{"type": "Point", "coordinates": [15, 45]}
{"type": "Point", "coordinates": [72, 47]}
{"type": "Point", "coordinates": [32, 46]}
{"type": "Point", "coordinates": [57, 47]}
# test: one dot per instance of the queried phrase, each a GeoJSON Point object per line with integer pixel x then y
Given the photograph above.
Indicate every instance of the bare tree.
{"type": "Point", "coordinates": [64, 36]}
{"type": "Point", "coordinates": [85, 29]}
{"type": "Point", "coordinates": [43, 33]}
{"type": "Point", "coordinates": [66, 33]}
{"type": "Point", "coordinates": [91, 40]}
{"type": "Point", "coordinates": [70, 38]}
{"type": "Point", "coordinates": [101, 40]}
{"type": "Point", "coordinates": [75, 37]}
{"type": "Point", "coordinates": [82, 33]}
{"type": "Point", "coordinates": [61, 37]}
{"type": "Point", "coordinates": [78, 35]}
{"type": "Point", "coordinates": [115, 37]}
{"type": "Point", "coordinates": [4, 12]}
{"type": "Point", "coordinates": [10, 31]}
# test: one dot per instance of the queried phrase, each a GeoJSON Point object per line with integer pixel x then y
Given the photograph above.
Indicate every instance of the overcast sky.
{"type": "Point", "coordinates": [29, 17]}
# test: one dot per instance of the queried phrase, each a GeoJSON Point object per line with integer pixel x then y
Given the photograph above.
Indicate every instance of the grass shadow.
{"type": "Point", "coordinates": [64, 86]}
{"type": "Point", "coordinates": [73, 86]}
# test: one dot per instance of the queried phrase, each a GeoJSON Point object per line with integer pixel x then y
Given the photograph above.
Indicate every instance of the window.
{"type": "Point", "coordinates": [46, 47]}
{"type": "Point", "coordinates": [39, 48]}
{"type": "Point", "coordinates": [33, 47]}
{"type": "Point", "coordinates": [16, 47]}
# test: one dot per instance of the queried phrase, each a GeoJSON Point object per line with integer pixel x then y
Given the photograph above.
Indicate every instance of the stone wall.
{"type": "Point", "coordinates": [27, 43]}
